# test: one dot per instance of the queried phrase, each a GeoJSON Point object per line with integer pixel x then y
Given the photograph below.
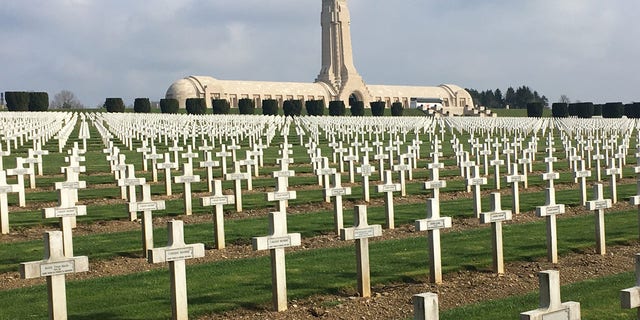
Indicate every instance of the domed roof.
{"type": "Point", "coordinates": [182, 88]}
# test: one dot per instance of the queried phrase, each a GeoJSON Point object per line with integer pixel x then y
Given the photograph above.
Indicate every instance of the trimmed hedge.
{"type": "Point", "coordinates": [377, 108]}
{"type": "Point", "coordinates": [169, 105]}
{"type": "Point", "coordinates": [597, 109]}
{"type": "Point", "coordinates": [613, 110]}
{"type": "Point", "coordinates": [292, 108]}
{"type": "Point", "coordinates": [535, 109]}
{"type": "Point", "coordinates": [397, 109]}
{"type": "Point", "coordinates": [270, 107]}
{"type": "Point", "coordinates": [357, 109]}
{"type": "Point", "coordinates": [337, 108]}
{"type": "Point", "coordinates": [560, 110]}
{"type": "Point", "coordinates": [114, 105]}
{"type": "Point", "coordinates": [38, 101]}
{"type": "Point", "coordinates": [573, 109]}
{"type": "Point", "coordinates": [17, 100]}
{"type": "Point", "coordinates": [196, 106]}
{"type": "Point", "coordinates": [584, 110]}
{"type": "Point", "coordinates": [246, 106]}
{"type": "Point", "coordinates": [634, 110]}
{"type": "Point", "coordinates": [220, 106]}
{"type": "Point", "coordinates": [314, 107]}
{"type": "Point", "coordinates": [141, 105]}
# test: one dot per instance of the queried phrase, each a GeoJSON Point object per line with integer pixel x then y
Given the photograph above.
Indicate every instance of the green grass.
{"type": "Point", "coordinates": [599, 299]}
{"type": "Point", "coordinates": [225, 285]}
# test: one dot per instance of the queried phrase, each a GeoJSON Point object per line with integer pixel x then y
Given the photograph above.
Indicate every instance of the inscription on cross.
{"type": "Point", "coordinates": [550, 210]}
{"type": "Point", "coordinates": [187, 178]}
{"type": "Point", "coordinates": [361, 232]}
{"type": "Point", "coordinates": [337, 191]}
{"type": "Point", "coordinates": [551, 306]}
{"type": "Point", "coordinates": [365, 170]}
{"type": "Point", "coordinates": [432, 224]}
{"type": "Point", "coordinates": [597, 206]}
{"type": "Point", "coordinates": [175, 253]}
{"type": "Point", "coordinates": [277, 240]}
{"type": "Point", "coordinates": [65, 211]}
{"type": "Point", "coordinates": [54, 267]}
{"type": "Point", "coordinates": [147, 206]}
{"type": "Point", "coordinates": [218, 200]}
{"type": "Point", "coordinates": [167, 165]}
{"type": "Point", "coordinates": [496, 216]}
{"type": "Point", "coordinates": [237, 176]}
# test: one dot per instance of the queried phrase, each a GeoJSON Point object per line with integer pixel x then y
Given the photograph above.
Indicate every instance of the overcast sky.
{"type": "Point", "coordinates": [586, 49]}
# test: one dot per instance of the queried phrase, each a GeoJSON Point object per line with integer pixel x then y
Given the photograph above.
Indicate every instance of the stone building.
{"type": "Point", "coordinates": [338, 79]}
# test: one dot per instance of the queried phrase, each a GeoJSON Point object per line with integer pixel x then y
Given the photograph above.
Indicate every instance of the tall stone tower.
{"type": "Point", "coordinates": [338, 71]}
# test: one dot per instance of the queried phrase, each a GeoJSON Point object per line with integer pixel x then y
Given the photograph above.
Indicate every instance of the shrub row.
{"type": "Point", "coordinates": [26, 101]}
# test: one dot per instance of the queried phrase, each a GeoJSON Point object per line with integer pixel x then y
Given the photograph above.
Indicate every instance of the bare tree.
{"type": "Point", "coordinates": [564, 99]}
{"type": "Point", "coordinates": [65, 99]}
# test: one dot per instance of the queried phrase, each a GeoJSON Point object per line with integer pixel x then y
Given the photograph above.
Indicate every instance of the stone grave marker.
{"type": "Point", "coordinates": [597, 206]}
{"type": "Point", "coordinates": [361, 232]}
{"type": "Point", "coordinates": [187, 178]}
{"type": "Point", "coordinates": [176, 149]}
{"type": "Point", "coordinates": [351, 159]}
{"type": "Point", "coordinates": [337, 191]}
{"type": "Point", "coordinates": [612, 172]}
{"type": "Point", "coordinates": [144, 152]}
{"type": "Point", "coordinates": [276, 242]}
{"type": "Point", "coordinates": [435, 183]}
{"type": "Point", "coordinates": [154, 157]}
{"type": "Point", "coordinates": [550, 175]}
{"type": "Point", "coordinates": [249, 162]}
{"type": "Point", "coordinates": [598, 158]}
{"type": "Point", "coordinates": [31, 161]}
{"type": "Point", "coordinates": [496, 163]}
{"type": "Point", "coordinates": [515, 179]}
{"type": "Point", "coordinates": [582, 174]}
{"type": "Point", "coordinates": [340, 150]}
{"type": "Point", "coordinates": [325, 172]}
{"type": "Point", "coordinates": [175, 253]}
{"type": "Point", "coordinates": [4, 204]}
{"type": "Point", "coordinates": [217, 200]}
{"type": "Point", "coordinates": [167, 165]}
{"type": "Point", "coordinates": [130, 182]}
{"type": "Point", "coordinates": [121, 173]}
{"type": "Point", "coordinates": [223, 155]}
{"type": "Point", "coordinates": [630, 298]}
{"type": "Point", "coordinates": [425, 306]}
{"type": "Point", "coordinates": [388, 187]}
{"type": "Point", "coordinates": [209, 163]}
{"type": "Point", "coordinates": [189, 155]}
{"type": "Point", "coordinates": [234, 148]}
{"type": "Point", "coordinates": [550, 210]}
{"type": "Point", "coordinates": [432, 224]}
{"type": "Point", "coordinates": [20, 171]}
{"type": "Point", "coordinates": [402, 168]}
{"type": "Point", "coordinates": [365, 170]}
{"type": "Point", "coordinates": [380, 157]}
{"type": "Point", "coordinates": [496, 216]}
{"type": "Point", "coordinates": [54, 266]}
{"type": "Point", "coordinates": [147, 206]}
{"type": "Point", "coordinates": [475, 181]}
{"type": "Point", "coordinates": [551, 306]}
{"type": "Point", "coordinates": [237, 176]}
{"type": "Point", "coordinates": [3, 154]}
{"type": "Point", "coordinates": [66, 211]}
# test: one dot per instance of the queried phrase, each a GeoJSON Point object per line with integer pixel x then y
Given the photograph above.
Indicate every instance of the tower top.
{"type": "Point", "coordinates": [338, 70]}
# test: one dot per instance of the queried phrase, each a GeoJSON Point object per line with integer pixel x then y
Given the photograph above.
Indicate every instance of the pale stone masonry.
{"type": "Point", "coordinates": [338, 79]}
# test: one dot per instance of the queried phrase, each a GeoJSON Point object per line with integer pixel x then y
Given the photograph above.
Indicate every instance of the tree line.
{"type": "Point", "coordinates": [514, 98]}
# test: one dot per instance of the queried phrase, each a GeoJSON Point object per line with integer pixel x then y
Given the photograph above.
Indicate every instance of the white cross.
{"type": "Point", "coordinates": [65, 210]}
{"type": "Point", "coordinates": [277, 240]}
{"type": "Point", "coordinates": [189, 155]}
{"type": "Point", "coordinates": [209, 163]}
{"type": "Point", "coordinates": [167, 165]}
{"type": "Point", "coordinates": [551, 306]}
{"type": "Point", "coordinates": [337, 191]}
{"type": "Point", "coordinates": [402, 167]}
{"type": "Point", "coordinates": [515, 179]}
{"type": "Point", "coordinates": [550, 210]}
{"type": "Point", "coordinates": [425, 306]}
{"type": "Point", "coordinates": [237, 176]}
{"type": "Point", "coordinates": [612, 171]}
{"type": "Point", "coordinates": [432, 224]}
{"type": "Point", "coordinates": [325, 172]}
{"type": "Point", "coordinates": [223, 155]}
{"type": "Point", "coordinates": [361, 232]}
{"type": "Point", "coordinates": [351, 159]}
{"type": "Point", "coordinates": [144, 149]}
{"type": "Point", "coordinates": [389, 188]}
{"type": "Point", "coordinates": [475, 181]}
{"type": "Point", "coordinates": [147, 205]}
{"type": "Point", "coordinates": [365, 170]}
{"type": "Point", "coordinates": [496, 216]}
{"type": "Point", "coordinates": [176, 252]}
{"type": "Point", "coordinates": [218, 200]}
{"type": "Point", "coordinates": [187, 178]}
{"type": "Point", "coordinates": [630, 298]}
{"type": "Point", "coordinates": [597, 206]}
{"type": "Point", "coordinates": [582, 174]}
{"type": "Point", "coordinates": [54, 267]}
{"type": "Point", "coordinates": [175, 149]}
{"type": "Point", "coordinates": [20, 171]}
{"type": "Point", "coordinates": [154, 157]}
{"type": "Point", "coordinates": [4, 205]}
{"type": "Point", "coordinates": [496, 163]}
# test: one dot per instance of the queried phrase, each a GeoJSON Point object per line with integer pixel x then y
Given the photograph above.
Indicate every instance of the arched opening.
{"type": "Point", "coordinates": [353, 98]}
